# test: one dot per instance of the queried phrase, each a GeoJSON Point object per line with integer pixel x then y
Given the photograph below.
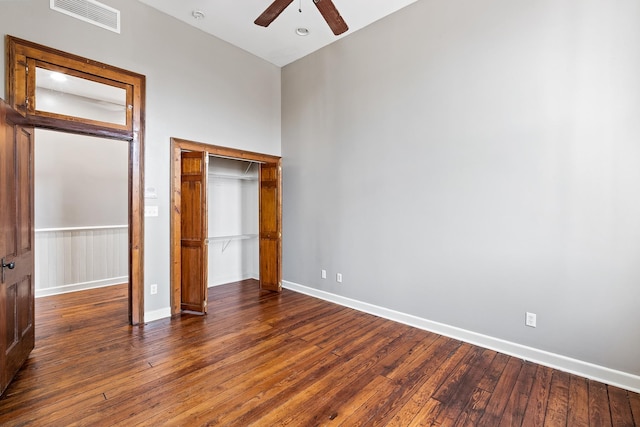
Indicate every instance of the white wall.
{"type": "Point", "coordinates": [466, 161]}
{"type": "Point", "coordinates": [233, 220]}
{"type": "Point", "coordinates": [80, 181]}
{"type": "Point", "coordinates": [198, 88]}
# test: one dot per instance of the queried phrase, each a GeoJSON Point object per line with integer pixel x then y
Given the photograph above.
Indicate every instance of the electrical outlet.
{"type": "Point", "coordinates": [154, 289]}
{"type": "Point", "coordinates": [530, 319]}
{"type": "Point", "coordinates": [339, 277]}
{"type": "Point", "coordinates": [323, 274]}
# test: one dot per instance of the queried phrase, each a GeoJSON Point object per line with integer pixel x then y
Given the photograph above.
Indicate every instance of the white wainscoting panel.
{"type": "Point", "coordinates": [77, 258]}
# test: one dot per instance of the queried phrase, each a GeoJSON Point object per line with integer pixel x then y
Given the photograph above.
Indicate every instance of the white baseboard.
{"type": "Point", "coordinates": [74, 287]}
{"type": "Point", "coordinates": [150, 316]}
{"type": "Point", "coordinates": [556, 361]}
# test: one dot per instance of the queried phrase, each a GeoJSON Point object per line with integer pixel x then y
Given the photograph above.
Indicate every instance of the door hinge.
{"type": "Point", "coordinates": [204, 304]}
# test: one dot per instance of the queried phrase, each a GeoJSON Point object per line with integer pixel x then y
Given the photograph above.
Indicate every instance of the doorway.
{"type": "Point", "coordinates": [232, 202]}
{"type": "Point", "coordinates": [189, 256]}
{"type": "Point", "coordinates": [81, 212]}
{"type": "Point", "coordinates": [27, 94]}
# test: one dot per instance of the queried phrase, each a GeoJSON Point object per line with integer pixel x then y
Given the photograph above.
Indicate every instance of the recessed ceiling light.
{"type": "Point", "coordinates": [59, 77]}
{"type": "Point", "coordinates": [197, 14]}
{"type": "Point", "coordinates": [302, 31]}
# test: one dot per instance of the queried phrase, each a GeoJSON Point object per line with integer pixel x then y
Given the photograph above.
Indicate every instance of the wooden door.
{"type": "Point", "coordinates": [270, 227]}
{"type": "Point", "coordinates": [17, 335]}
{"type": "Point", "coordinates": [193, 231]}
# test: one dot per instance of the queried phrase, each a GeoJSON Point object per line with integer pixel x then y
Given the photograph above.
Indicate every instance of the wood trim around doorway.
{"type": "Point", "coordinates": [20, 86]}
{"type": "Point", "coordinates": [177, 146]}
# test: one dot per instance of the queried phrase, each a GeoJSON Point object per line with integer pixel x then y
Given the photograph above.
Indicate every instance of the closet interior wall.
{"type": "Point", "coordinates": [233, 213]}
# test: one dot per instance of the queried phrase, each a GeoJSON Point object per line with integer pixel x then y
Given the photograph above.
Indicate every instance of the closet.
{"type": "Point", "coordinates": [233, 220]}
{"type": "Point", "coordinates": [233, 231]}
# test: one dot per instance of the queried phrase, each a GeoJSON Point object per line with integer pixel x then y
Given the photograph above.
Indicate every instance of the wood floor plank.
{"type": "Point", "coordinates": [454, 394]}
{"type": "Point", "coordinates": [539, 397]}
{"type": "Point", "coordinates": [232, 395]}
{"type": "Point", "coordinates": [173, 379]}
{"type": "Point", "coordinates": [427, 413]}
{"type": "Point", "coordinates": [408, 344]}
{"type": "Point", "coordinates": [634, 401]}
{"type": "Point", "coordinates": [446, 355]}
{"type": "Point", "coordinates": [393, 396]}
{"type": "Point", "coordinates": [346, 390]}
{"type": "Point", "coordinates": [557, 409]}
{"type": "Point", "coordinates": [599, 411]}
{"type": "Point", "coordinates": [251, 389]}
{"type": "Point", "coordinates": [620, 408]}
{"type": "Point", "coordinates": [500, 395]}
{"type": "Point", "coordinates": [493, 374]}
{"type": "Point", "coordinates": [361, 365]}
{"type": "Point", "coordinates": [344, 409]}
{"type": "Point", "coordinates": [476, 405]}
{"type": "Point", "coordinates": [415, 360]}
{"type": "Point", "coordinates": [256, 408]}
{"type": "Point", "coordinates": [262, 358]}
{"type": "Point", "coordinates": [474, 408]}
{"type": "Point", "coordinates": [513, 413]}
{"type": "Point", "coordinates": [578, 402]}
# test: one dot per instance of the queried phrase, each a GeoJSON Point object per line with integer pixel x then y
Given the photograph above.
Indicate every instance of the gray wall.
{"type": "Point", "coordinates": [466, 161]}
{"type": "Point", "coordinates": [198, 87]}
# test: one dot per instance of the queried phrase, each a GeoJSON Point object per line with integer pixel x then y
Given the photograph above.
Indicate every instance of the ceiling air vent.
{"type": "Point", "coordinates": [90, 11]}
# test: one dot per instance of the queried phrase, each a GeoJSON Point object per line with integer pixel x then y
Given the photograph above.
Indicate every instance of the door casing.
{"type": "Point", "coordinates": [177, 147]}
{"type": "Point", "coordinates": [20, 90]}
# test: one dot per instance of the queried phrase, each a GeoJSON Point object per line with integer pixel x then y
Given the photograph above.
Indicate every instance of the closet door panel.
{"type": "Point", "coordinates": [270, 227]}
{"type": "Point", "coordinates": [193, 228]}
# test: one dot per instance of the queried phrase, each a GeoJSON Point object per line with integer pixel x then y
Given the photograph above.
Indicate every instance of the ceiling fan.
{"type": "Point", "coordinates": [326, 7]}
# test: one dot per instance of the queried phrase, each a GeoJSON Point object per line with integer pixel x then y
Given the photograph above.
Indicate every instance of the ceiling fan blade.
{"type": "Point", "coordinates": [332, 16]}
{"type": "Point", "coordinates": [272, 12]}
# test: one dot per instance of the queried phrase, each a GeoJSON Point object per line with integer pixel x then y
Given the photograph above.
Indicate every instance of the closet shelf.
{"type": "Point", "coordinates": [234, 237]}
{"type": "Point", "coordinates": [226, 240]}
{"type": "Point", "coordinates": [240, 177]}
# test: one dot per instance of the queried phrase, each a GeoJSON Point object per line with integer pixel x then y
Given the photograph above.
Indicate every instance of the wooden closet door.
{"type": "Point", "coordinates": [270, 227]}
{"type": "Point", "coordinates": [193, 231]}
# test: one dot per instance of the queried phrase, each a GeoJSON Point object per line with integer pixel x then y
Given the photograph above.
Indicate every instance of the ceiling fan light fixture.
{"type": "Point", "coordinates": [326, 8]}
{"type": "Point", "coordinates": [301, 31]}
{"type": "Point", "coordinates": [198, 15]}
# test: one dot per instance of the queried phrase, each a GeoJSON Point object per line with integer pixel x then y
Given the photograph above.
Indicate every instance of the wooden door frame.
{"type": "Point", "coordinates": [177, 146]}
{"type": "Point", "coordinates": [19, 92]}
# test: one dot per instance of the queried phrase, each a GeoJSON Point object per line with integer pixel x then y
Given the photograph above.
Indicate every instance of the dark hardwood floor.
{"type": "Point", "coordinates": [266, 359]}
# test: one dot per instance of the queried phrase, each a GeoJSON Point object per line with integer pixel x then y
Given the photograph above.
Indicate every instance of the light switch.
{"type": "Point", "coordinates": [150, 193]}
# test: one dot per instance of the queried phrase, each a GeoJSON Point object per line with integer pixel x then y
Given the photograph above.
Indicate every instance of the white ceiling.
{"type": "Point", "coordinates": [232, 21]}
